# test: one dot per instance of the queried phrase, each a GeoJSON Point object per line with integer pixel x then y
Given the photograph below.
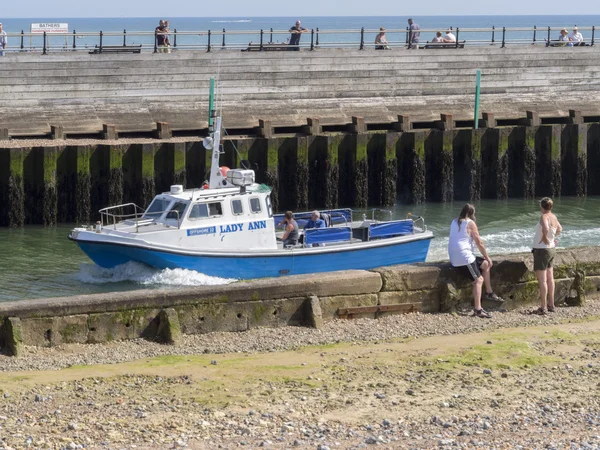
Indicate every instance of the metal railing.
{"type": "Point", "coordinates": [261, 40]}
{"type": "Point", "coordinates": [137, 215]}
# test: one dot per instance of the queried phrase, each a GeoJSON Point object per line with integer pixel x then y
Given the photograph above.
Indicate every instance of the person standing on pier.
{"type": "Point", "coordinates": [544, 244]}
{"type": "Point", "coordinates": [296, 31]}
{"type": "Point", "coordinates": [464, 236]}
{"type": "Point", "coordinates": [413, 34]}
{"type": "Point", "coordinates": [3, 41]}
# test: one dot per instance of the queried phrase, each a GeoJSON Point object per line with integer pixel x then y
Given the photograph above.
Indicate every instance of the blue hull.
{"type": "Point", "coordinates": [292, 263]}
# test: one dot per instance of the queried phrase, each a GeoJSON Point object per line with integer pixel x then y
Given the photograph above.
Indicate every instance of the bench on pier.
{"type": "Point", "coordinates": [267, 48]}
{"type": "Point", "coordinates": [116, 49]}
{"type": "Point", "coordinates": [459, 44]}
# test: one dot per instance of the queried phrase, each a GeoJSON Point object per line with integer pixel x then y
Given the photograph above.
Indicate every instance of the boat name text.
{"type": "Point", "coordinates": [235, 227]}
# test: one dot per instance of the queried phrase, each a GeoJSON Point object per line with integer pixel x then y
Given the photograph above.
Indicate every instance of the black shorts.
{"type": "Point", "coordinates": [472, 271]}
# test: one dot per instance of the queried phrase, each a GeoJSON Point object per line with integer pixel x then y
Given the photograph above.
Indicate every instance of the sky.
{"type": "Point", "coordinates": [282, 8]}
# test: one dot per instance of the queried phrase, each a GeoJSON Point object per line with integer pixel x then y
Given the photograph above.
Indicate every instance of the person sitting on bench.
{"type": "Point", "coordinates": [449, 37]}
{"type": "Point", "coordinates": [576, 37]}
{"type": "Point", "coordinates": [438, 37]}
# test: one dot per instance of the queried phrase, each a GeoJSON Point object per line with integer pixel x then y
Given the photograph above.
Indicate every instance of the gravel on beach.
{"type": "Point", "coordinates": [364, 393]}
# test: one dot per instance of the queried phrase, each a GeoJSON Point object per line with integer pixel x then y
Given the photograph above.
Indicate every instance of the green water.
{"type": "Point", "coordinates": [41, 262]}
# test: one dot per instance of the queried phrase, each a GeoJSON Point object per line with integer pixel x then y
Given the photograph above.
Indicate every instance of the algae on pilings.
{"type": "Point", "coordinates": [467, 164]}
{"type": "Point", "coordinates": [574, 157]}
{"type": "Point", "coordinates": [270, 148]}
{"type": "Point", "coordinates": [494, 164]}
{"type": "Point", "coordinates": [376, 158]}
{"type": "Point", "coordinates": [360, 171]}
{"type": "Point", "coordinates": [303, 176]}
{"type": "Point", "coordinates": [389, 192]}
{"type": "Point", "coordinates": [287, 172]}
{"type": "Point", "coordinates": [12, 196]}
{"type": "Point", "coordinates": [521, 156]}
{"type": "Point", "coordinates": [74, 184]}
{"type": "Point", "coordinates": [439, 166]}
{"type": "Point", "coordinates": [332, 172]}
{"type": "Point", "coordinates": [317, 157]}
{"type": "Point", "coordinates": [593, 157]}
{"type": "Point", "coordinates": [39, 175]}
{"type": "Point", "coordinates": [548, 178]}
{"type": "Point", "coordinates": [138, 174]}
{"type": "Point", "coordinates": [169, 166]}
{"type": "Point", "coordinates": [410, 154]}
{"type": "Point", "coordinates": [195, 164]}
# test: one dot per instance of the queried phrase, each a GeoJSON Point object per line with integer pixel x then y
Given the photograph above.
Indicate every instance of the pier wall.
{"type": "Point", "coordinates": [302, 300]}
{"type": "Point", "coordinates": [80, 93]}
{"type": "Point", "coordinates": [70, 183]}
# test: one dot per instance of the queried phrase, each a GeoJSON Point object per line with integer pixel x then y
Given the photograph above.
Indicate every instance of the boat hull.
{"type": "Point", "coordinates": [244, 266]}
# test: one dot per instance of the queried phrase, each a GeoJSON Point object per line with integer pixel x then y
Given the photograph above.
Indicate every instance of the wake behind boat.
{"type": "Point", "coordinates": [227, 229]}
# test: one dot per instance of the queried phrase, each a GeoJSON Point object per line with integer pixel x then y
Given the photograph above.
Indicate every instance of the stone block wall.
{"type": "Point", "coordinates": [303, 300]}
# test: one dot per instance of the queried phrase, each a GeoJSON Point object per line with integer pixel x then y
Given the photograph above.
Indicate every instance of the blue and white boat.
{"type": "Point", "coordinates": [227, 229]}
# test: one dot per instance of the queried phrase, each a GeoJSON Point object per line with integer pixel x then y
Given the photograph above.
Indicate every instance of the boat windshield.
{"type": "Point", "coordinates": [157, 208]}
{"type": "Point", "coordinates": [176, 211]}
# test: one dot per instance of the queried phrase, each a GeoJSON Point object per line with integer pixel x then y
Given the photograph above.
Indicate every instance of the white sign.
{"type": "Point", "coordinates": [49, 28]}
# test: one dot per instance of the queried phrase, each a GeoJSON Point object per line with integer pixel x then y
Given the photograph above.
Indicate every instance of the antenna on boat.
{"type": "Point", "coordinates": [218, 177]}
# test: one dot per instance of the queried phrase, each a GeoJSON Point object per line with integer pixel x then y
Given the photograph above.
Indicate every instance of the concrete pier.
{"type": "Point", "coordinates": [70, 183]}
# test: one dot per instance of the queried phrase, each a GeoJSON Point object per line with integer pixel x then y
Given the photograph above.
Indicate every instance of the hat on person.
{"type": "Point", "coordinates": [381, 29]}
{"type": "Point", "coordinates": [574, 28]}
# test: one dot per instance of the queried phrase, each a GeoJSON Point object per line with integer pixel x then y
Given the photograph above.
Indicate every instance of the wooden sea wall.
{"type": "Point", "coordinates": [70, 183]}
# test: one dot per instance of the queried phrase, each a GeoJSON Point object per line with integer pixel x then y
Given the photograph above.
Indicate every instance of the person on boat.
{"type": "Point", "coordinates": [544, 244]}
{"type": "Point", "coordinates": [315, 221]}
{"type": "Point", "coordinates": [464, 236]}
{"type": "Point", "coordinates": [290, 237]}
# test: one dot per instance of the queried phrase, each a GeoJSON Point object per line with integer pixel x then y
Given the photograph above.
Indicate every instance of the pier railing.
{"type": "Point", "coordinates": [270, 39]}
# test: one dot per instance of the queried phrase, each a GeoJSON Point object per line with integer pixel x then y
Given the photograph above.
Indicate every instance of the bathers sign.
{"type": "Point", "coordinates": [49, 28]}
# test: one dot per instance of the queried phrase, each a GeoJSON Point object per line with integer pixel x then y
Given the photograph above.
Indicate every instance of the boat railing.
{"type": "Point", "coordinates": [384, 211]}
{"type": "Point", "coordinates": [416, 220]}
{"type": "Point", "coordinates": [116, 214]}
{"type": "Point", "coordinates": [137, 215]}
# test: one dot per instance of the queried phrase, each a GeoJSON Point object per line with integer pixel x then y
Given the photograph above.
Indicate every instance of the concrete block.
{"type": "Point", "coordinates": [533, 119]}
{"type": "Point", "coordinates": [358, 125]}
{"type": "Point", "coordinates": [409, 277]}
{"type": "Point", "coordinates": [13, 336]}
{"type": "Point", "coordinates": [163, 131]}
{"type": "Point", "coordinates": [331, 305]}
{"type": "Point", "coordinates": [169, 329]}
{"type": "Point", "coordinates": [57, 132]}
{"type": "Point", "coordinates": [446, 122]}
{"type": "Point", "coordinates": [109, 132]}
{"type": "Point", "coordinates": [314, 315]}
{"type": "Point", "coordinates": [575, 117]}
{"type": "Point", "coordinates": [488, 121]}
{"type": "Point", "coordinates": [313, 126]}
{"type": "Point", "coordinates": [403, 124]}
{"type": "Point", "coordinates": [38, 332]}
{"type": "Point", "coordinates": [70, 330]}
{"type": "Point", "coordinates": [108, 327]}
{"type": "Point", "coordinates": [265, 128]}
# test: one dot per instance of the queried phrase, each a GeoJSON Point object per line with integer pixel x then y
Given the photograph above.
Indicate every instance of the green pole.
{"type": "Point", "coordinates": [477, 92]}
{"type": "Point", "coordinates": [211, 103]}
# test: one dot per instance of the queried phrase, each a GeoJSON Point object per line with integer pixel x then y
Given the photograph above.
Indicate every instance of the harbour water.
{"type": "Point", "coordinates": [39, 262]}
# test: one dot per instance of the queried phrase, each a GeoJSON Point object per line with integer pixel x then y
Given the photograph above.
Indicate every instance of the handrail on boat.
{"type": "Point", "coordinates": [137, 215]}
{"type": "Point", "coordinates": [374, 210]}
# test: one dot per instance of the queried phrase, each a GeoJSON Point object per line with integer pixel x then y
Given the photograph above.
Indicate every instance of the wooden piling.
{"type": "Point", "coordinates": [548, 174]}
{"type": "Point", "coordinates": [593, 155]}
{"type": "Point", "coordinates": [12, 195]}
{"type": "Point", "coordinates": [439, 166]}
{"type": "Point", "coordinates": [574, 160]}
{"type": "Point", "coordinates": [410, 154]}
{"type": "Point", "coordinates": [74, 184]}
{"type": "Point", "coordinates": [138, 174]}
{"type": "Point", "coordinates": [467, 164]}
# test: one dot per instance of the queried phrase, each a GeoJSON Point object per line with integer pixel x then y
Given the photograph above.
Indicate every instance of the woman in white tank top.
{"type": "Point", "coordinates": [544, 243]}
{"type": "Point", "coordinates": [464, 237]}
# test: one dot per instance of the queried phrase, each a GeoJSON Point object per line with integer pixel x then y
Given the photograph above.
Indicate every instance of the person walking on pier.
{"type": "Point", "coordinates": [3, 41]}
{"type": "Point", "coordinates": [544, 244]}
{"type": "Point", "coordinates": [414, 34]}
{"type": "Point", "coordinates": [464, 236]}
{"type": "Point", "coordinates": [296, 31]}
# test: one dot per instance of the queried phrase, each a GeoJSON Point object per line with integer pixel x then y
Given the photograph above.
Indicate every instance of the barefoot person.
{"type": "Point", "coordinates": [464, 236]}
{"type": "Point", "coordinates": [544, 243]}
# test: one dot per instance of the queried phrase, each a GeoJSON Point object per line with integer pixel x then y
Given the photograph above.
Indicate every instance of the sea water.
{"type": "Point", "coordinates": [41, 262]}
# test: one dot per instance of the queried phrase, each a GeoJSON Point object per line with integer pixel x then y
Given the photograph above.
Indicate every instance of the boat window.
{"type": "Point", "coordinates": [255, 205]}
{"type": "Point", "coordinates": [269, 210]}
{"type": "Point", "coordinates": [157, 208]}
{"type": "Point", "coordinates": [236, 207]}
{"type": "Point", "coordinates": [176, 211]}
{"type": "Point", "coordinates": [215, 209]}
{"type": "Point", "coordinates": [199, 211]}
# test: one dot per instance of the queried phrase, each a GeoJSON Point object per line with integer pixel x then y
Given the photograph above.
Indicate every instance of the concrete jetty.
{"type": "Point", "coordinates": [307, 300]}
